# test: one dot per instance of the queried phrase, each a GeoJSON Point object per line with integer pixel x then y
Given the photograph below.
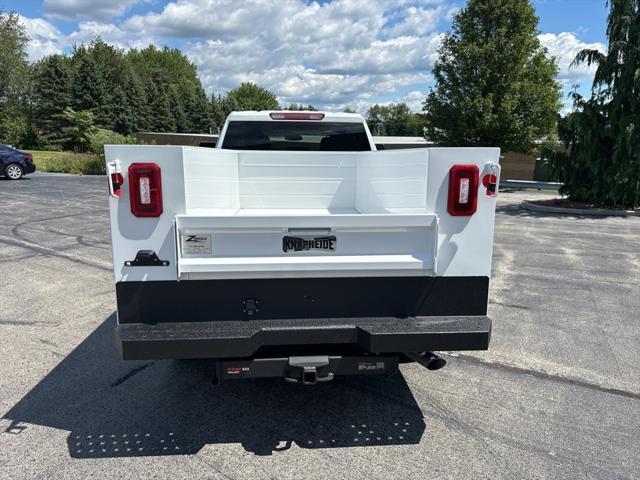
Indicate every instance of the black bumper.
{"type": "Point", "coordinates": [29, 167]}
{"type": "Point", "coordinates": [245, 338]}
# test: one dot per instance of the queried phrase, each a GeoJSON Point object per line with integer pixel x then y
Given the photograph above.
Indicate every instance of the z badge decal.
{"type": "Point", "coordinates": [196, 244]}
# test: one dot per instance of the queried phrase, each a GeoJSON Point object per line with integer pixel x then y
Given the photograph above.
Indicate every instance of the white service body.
{"type": "Point", "coordinates": [230, 219]}
{"type": "Point", "coordinates": [388, 210]}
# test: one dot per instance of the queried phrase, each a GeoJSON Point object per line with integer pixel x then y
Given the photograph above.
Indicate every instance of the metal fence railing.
{"type": "Point", "coordinates": [521, 184]}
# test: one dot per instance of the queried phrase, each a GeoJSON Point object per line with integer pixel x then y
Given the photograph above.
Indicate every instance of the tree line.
{"type": "Point", "coordinates": [494, 85]}
{"type": "Point", "coordinates": [99, 85]}
{"type": "Point", "coordinates": [61, 101]}
{"type": "Point", "coordinates": [57, 100]}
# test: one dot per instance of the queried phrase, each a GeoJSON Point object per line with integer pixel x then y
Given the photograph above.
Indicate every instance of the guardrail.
{"type": "Point", "coordinates": [521, 184]}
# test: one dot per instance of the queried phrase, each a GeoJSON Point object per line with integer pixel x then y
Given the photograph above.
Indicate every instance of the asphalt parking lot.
{"type": "Point", "coordinates": [556, 396]}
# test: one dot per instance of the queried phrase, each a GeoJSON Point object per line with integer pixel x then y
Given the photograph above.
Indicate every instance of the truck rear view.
{"type": "Point", "coordinates": [295, 249]}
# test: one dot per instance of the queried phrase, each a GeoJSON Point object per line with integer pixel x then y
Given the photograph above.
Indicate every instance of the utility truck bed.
{"type": "Point", "coordinates": [304, 260]}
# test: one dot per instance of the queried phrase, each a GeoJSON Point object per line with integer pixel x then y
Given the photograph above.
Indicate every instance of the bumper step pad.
{"type": "Point", "coordinates": [237, 339]}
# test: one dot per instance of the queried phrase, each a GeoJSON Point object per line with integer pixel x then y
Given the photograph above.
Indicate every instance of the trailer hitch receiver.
{"type": "Point", "coordinates": [305, 370]}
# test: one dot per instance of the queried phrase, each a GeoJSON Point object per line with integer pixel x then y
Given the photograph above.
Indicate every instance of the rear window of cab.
{"type": "Point", "coordinates": [297, 136]}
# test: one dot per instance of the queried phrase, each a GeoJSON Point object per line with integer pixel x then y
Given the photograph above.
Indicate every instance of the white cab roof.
{"type": "Point", "coordinates": [264, 116]}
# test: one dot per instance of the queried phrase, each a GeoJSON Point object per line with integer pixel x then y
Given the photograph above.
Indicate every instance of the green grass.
{"type": "Point", "coordinates": [68, 162]}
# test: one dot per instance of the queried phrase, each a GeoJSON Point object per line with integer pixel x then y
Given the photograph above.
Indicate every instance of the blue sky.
{"type": "Point", "coordinates": [333, 54]}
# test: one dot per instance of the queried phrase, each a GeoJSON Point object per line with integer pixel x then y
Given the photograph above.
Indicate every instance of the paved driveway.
{"type": "Point", "coordinates": [557, 396]}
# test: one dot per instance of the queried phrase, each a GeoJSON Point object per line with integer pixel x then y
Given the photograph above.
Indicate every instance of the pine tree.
{"type": "Point", "coordinates": [494, 84]}
{"type": "Point", "coordinates": [51, 94]}
{"type": "Point", "coordinates": [89, 90]}
{"type": "Point", "coordinates": [162, 118]}
{"type": "Point", "coordinates": [177, 106]}
{"type": "Point", "coordinates": [123, 116]}
{"type": "Point", "coordinates": [198, 112]}
{"type": "Point", "coordinates": [230, 104]}
{"type": "Point", "coordinates": [216, 112]}
{"type": "Point", "coordinates": [138, 102]}
{"type": "Point", "coordinates": [111, 71]}
{"type": "Point", "coordinates": [602, 136]}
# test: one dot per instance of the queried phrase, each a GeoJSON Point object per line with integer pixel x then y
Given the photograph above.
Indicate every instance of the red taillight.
{"type": "Point", "coordinates": [463, 190]}
{"type": "Point", "coordinates": [296, 116]}
{"type": "Point", "coordinates": [30, 157]}
{"type": "Point", "coordinates": [145, 190]}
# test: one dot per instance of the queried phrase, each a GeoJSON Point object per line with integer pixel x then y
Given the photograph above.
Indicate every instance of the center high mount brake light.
{"type": "Point", "coordinates": [296, 116]}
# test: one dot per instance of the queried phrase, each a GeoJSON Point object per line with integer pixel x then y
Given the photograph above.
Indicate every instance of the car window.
{"type": "Point", "coordinates": [299, 136]}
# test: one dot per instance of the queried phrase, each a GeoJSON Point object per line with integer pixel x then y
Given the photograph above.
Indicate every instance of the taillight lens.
{"type": "Point", "coordinates": [145, 189]}
{"type": "Point", "coordinates": [463, 190]}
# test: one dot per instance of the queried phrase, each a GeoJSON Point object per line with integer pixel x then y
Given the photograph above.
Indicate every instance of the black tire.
{"type": "Point", "coordinates": [13, 171]}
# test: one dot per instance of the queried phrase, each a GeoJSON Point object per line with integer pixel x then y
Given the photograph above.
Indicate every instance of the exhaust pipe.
{"type": "Point", "coordinates": [428, 359]}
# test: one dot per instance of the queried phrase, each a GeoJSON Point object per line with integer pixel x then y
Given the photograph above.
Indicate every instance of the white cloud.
{"type": "Point", "coordinates": [337, 54]}
{"type": "Point", "coordinates": [213, 18]}
{"type": "Point", "coordinates": [223, 66]}
{"type": "Point", "coordinates": [91, 9]}
{"type": "Point", "coordinates": [401, 54]}
{"type": "Point", "coordinates": [108, 32]}
{"type": "Point", "coordinates": [332, 54]}
{"type": "Point", "coordinates": [47, 39]}
{"type": "Point", "coordinates": [414, 99]}
{"type": "Point", "coordinates": [565, 46]}
{"type": "Point", "coordinates": [417, 21]}
{"type": "Point", "coordinates": [44, 38]}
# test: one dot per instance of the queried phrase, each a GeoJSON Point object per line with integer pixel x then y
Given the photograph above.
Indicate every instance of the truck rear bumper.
{"type": "Point", "coordinates": [243, 338]}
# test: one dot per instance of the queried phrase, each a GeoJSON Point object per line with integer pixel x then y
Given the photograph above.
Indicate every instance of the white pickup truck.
{"type": "Point", "coordinates": [296, 249]}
